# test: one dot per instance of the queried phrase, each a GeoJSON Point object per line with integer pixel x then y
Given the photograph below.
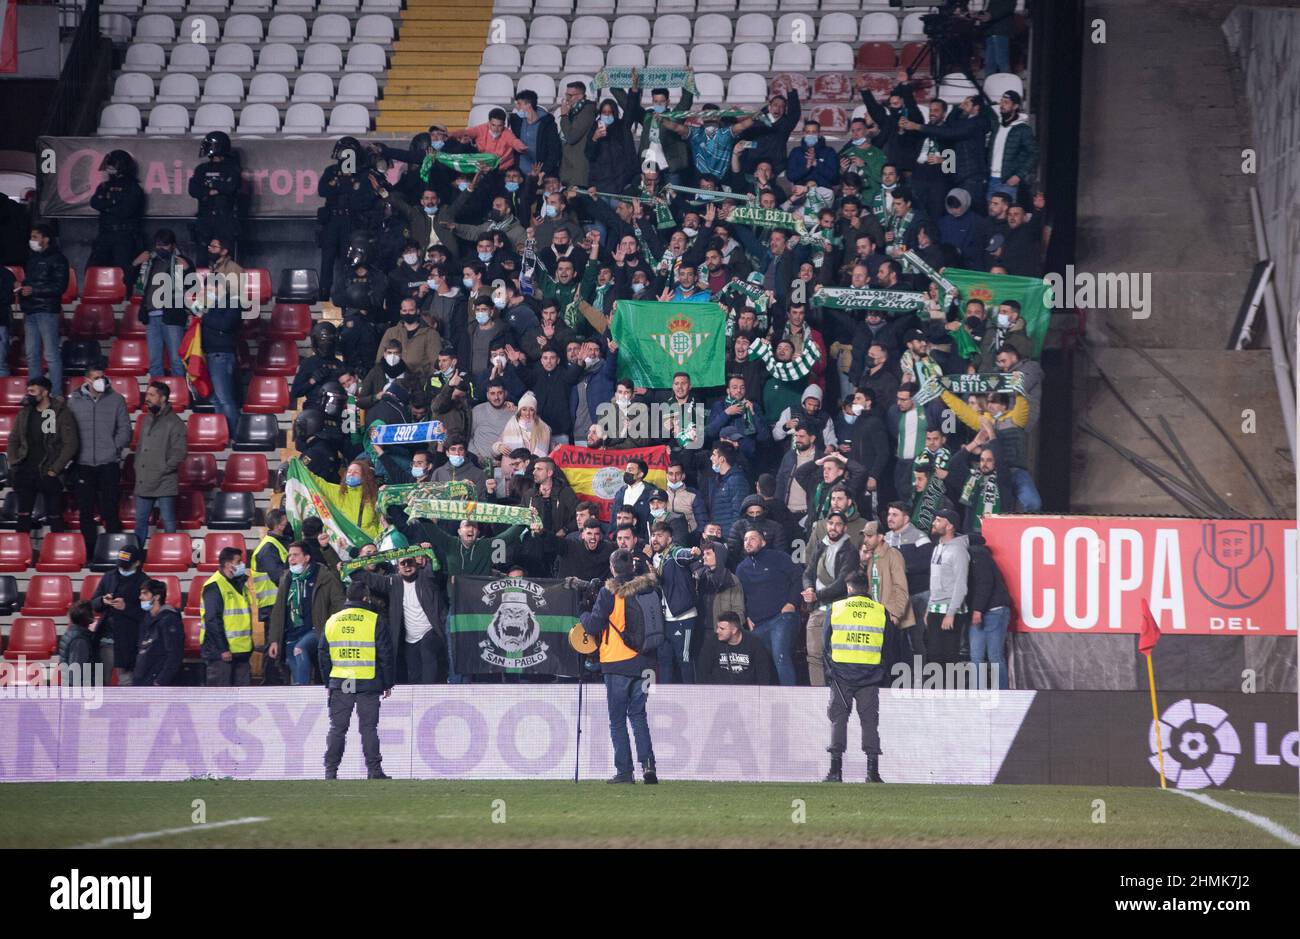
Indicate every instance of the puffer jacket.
{"type": "Point", "coordinates": [103, 425]}
{"type": "Point", "coordinates": [46, 272]}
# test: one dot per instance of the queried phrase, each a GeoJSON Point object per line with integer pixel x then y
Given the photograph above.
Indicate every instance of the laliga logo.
{"type": "Point", "coordinates": [1233, 569]}
{"type": "Point", "coordinates": [1201, 747]}
{"type": "Point", "coordinates": [680, 342]}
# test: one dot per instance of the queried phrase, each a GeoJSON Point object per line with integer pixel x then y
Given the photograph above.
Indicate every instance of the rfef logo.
{"type": "Point", "coordinates": [1233, 568]}
{"type": "Point", "coordinates": [1199, 745]}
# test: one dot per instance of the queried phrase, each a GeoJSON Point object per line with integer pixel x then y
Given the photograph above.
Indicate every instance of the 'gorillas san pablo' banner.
{"type": "Point", "coordinates": [1202, 577]}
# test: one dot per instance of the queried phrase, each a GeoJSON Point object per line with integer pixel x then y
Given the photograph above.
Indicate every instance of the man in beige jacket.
{"type": "Point", "coordinates": [420, 342]}
{"type": "Point", "coordinates": [887, 574]}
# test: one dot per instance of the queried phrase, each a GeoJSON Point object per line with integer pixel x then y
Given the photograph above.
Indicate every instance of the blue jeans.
{"type": "Point", "coordinates": [300, 657]}
{"type": "Point", "coordinates": [144, 505]}
{"type": "Point", "coordinates": [43, 339]}
{"type": "Point", "coordinates": [1026, 492]}
{"type": "Point", "coordinates": [987, 644]}
{"type": "Point", "coordinates": [221, 366]}
{"type": "Point", "coordinates": [676, 655]}
{"type": "Point", "coordinates": [997, 54]}
{"type": "Point", "coordinates": [996, 185]}
{"type": "Point", "coordinates": [164, 338]}
{"type": "Point", "coordinates": [4, 351]}
{"type": "Point", "coordinates": [625, 699]}
{"type": "Point", "coordinates": [778, 635]}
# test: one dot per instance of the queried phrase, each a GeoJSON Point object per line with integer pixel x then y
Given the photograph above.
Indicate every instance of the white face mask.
{"type": "Point", "coordinates": [392, 358]}
{"type": "Point", "coordinates": [100, 385]}
{"type": "Point", "coordinates": [34, 245]}
{"type": "Point", "coordinates": [297, 568]}
{"type": "Point", "coordinates": [690, 232]}
{"type": "Point", "coordinates": [411, 259]}
{"type": "Point", "coordinates": [858, 409]}
{"type": "Point", "coordinates": [1003, 320]}
{"type": "Point", "coordinates": [351, 389]}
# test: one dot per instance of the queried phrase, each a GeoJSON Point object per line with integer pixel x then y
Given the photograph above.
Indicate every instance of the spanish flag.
{"type": "Point", "coordinates": [196, 366]}
{"type": "Point", "coordinates": [596, 475]}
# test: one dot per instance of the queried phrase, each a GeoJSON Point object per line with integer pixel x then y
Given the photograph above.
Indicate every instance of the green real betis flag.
{"type": "Point", "coordinates": [1033, 295]}
{"type": "Point", "coordinates": [512, 625]}
{"type": "Point", "coordinates": [656, 340]}
{"type": "Point", "coordinates": [307, 495]}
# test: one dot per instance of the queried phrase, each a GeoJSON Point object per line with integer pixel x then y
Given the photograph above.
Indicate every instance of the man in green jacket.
{"type": "Point", "coordinates": [158, 457]}
{"type": "Point", "coordinates": [309, 594]}
{"type": "Point", "coordinates": [43, 443]}
{"type": "Point", "coordinates": [466, 552]}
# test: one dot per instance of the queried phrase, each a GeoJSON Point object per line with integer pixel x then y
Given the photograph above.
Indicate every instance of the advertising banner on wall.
{"type": "Point", "coordinates": [1212, 577]}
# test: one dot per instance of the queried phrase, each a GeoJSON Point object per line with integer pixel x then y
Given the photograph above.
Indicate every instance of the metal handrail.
{"type": "Point", "coordinates": [1277, 341]}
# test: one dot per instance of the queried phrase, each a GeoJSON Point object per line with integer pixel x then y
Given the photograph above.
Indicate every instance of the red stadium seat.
{"type": "Point", "coordinates": [168, 554]}
{"type": "Point", "coordinates": [246, 472]}
{"type": "Point", "coordinates": [213, 542]}
{"type": "Point", "coordinates": [105, 285]}
{"type": "Point", "coordinates": [180, 391]}
{"type": "Point", "coordinates": [32, 637]}
{"type": "Point", "coordinates": [128, 357]}
{"type": "Point", "coordinates": [192, 646]}
{"type": "Point", "coordinates": [257, 280]}
{"type": "Point", "coordinates": [18, 272]}
{"type": "Point", "coordinates": [126, 510]}
{"type": "Point", "coordinates": [6, 424]}
{"type": "Point", "coordinates": [195, 595]}
{"type": "Point", "coordinates": [277, 357]}
{"type": "Point", "coordinates": [48, 595]}
{"type": "Point", "coordinates": [267, 394]}
{"type": "Point", "coordinates": [15, 552]}
{"type": "Point", "coordinates": [93, 321]}
{"type": "Point", "coordinates": [198, 473]}
{"type": "Point", "coordinates": [289, 321]}
{"type": "Point", "coordinates": [88, 586]}
{"type": "Point", "coordinates": [62, 552]}
{"type": "Point", "coordinates": [191, 511]}
{"type": "Point", "coordinates": [70, 293]}
{"type": "Point", "coordinates": [128, 388]}
{"type": "Point", "coordinates": [877, 56]}
{"type": "Point", "coordinates": [206, 433]}
{"type": "Point", "coordinates": [13, 389]}
{"type": "Point", "coordinates": [174, 598]}
{"type": "Point", "coordinates": [129, 326]}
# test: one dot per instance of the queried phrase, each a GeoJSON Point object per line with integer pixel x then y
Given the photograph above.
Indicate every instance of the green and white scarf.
{"type": "Point", "coordinates": [701, 114]}
{"type": "Point", "coordinates": [348, 568]}
{"type": "Point", "coordinates": [869, 298]}
{"type": "Point", "coordinates": [766, 218]}
{"type": "Point", "coordinates": [912, 426]}
{"type": "Point", "coordinates": [458, 510]}
{"type": "Point", "coordinates": [653, 76]}
{"type": "Point", "coordinates": [917, 263]}
{"type": "Point", "coordinates": [711, 195]}
{"type": "Point", "coordinates": [927, 503]}
{"type": "Point", "coordinates": [729, 401]}
{"type": "Point", "coordinates": [460, 162]}
{"type": "Point", "coordinates": [966, 385]}
{"type": "Point", "coordinates": [663, 214]}
{"type": "Point", "coordinates": [922, 369]}
{"type": "Point", "coordinates": [752, 292]}
{"type": "Point", "coordinates": [798, 367]}
{"type": "Point", "coordinates": [573, 112]}
{"type": "Point", "coordinates": [981, 494]}
{"type": "Point", "coordinates": [402, 493]}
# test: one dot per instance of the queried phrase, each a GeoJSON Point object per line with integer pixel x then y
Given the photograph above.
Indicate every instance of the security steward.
{"type": "Point", "coordinates": [226, 622]}
{"type": "Point", "coordinates": [269, 561]}
{"type": "Point", "coordinates": [356, 653]}
{"type": "Point", "coordinates": [215, 185]}
{"type": "Point", "coordinates": [855, 670]}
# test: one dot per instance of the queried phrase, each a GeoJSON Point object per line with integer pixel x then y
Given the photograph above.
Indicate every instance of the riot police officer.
{"type": "Point", "coordinates": [360, 269]}
{"type": "Point", "coordinates": [119, 200]}
{"type": "Point", "coordinates": [215, 185]}
{"type": "Point", "coordinates": [855, 670]}
{"type": "Point", "coordinates": [352, 191]}
{"type": "Point", "coordinates": [359, 336]}
{"type": "Point", "coordinates": [322, 365]}
{"type": "Point", "coordinates": [357, 659]}
{"type": "Point", "coordinates": [316, 448]}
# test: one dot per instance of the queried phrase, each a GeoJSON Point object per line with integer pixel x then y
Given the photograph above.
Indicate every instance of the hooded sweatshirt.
{"type": "Point", "coordinates": [949, 567]}
{"type": "Point", "coordinates": [718, 588]}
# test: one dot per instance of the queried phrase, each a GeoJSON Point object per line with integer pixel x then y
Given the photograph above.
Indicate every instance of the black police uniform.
{"type": "Point", "coordinates": [215, 185]}
{"type": "Point", "coordinates": [119, 200]}
{"type": "Point", "coordinates": [352, 203]}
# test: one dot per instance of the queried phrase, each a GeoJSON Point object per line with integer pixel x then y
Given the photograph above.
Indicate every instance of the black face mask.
{"type": "Point", "coordinates": [163, 253]}
{"type": "Point", "coordinates": [411, 319]}
{"type": "Point", "coordinates": [214, 257]}
{"type": "Point", "coordinates": [629, 478]}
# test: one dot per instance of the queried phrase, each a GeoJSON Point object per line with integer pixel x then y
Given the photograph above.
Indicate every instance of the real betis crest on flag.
{"type": "Point", "coordinates": [656, 340]}
{"type": "Point", "coordinates": [1033, 294]}
{"type": "Point", "coordinates": [307, 495]}
{"type": "Point", "coordinates": [512, 625]}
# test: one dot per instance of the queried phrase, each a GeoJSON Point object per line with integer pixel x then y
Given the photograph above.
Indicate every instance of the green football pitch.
{"type": "Point", "coordinates": [428, 814]}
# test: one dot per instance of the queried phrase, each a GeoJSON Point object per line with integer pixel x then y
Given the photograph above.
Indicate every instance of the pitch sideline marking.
{"type": "Point", "coordinates": [142, 836]}
{"type": "Point", "coordinates": [1259, 821]}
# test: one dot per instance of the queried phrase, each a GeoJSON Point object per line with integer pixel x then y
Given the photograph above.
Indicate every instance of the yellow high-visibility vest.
{"type": "Point", "coordinates": [235, 612]}
{"type": "Point", "coordinates": [351, 636]}
{"type": "Point", "coordinates": [857, 631]}
{"type": "Point", "coordinates": [260, 582]}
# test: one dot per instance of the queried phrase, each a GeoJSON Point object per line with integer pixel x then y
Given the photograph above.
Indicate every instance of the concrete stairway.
{"type": "Point", "coordinates": [434, 65]}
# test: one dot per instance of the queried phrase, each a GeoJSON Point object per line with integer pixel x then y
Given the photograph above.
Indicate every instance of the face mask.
{"type": "Point", "coordinates": [512, 187]}
{"type": "Point", "coordinates": [858, 408]}
{"type": "Point", "coordinates": [675, 486]}
{"type": "Point", "coordinates": [485, 256]}
{"type": "Point", "coordinates": [467, 281]}
{"type": "Point", "coordinates": [100, 385]}
{"type": "Point", "coordinates": [659, 108]}
{"type": "Point", "coordinates": [430, 210]}
{"type": "Point", "coordinates": [163, 253]}
{"type": "Point", "coordinates": [351, 389]}
{"type": "Point", "coordinates": [607, 120]}
{"type": "Point", "coordinates": [850, 418]}
{"type": "Point", "coordinates": [859, 141]}
{"type": "Point", "coordinates": [629, 479]}
{"type": "Point", "coordinates": [410, 319]}
{"type": "Point", "coordinates": [715, 467]}
{"type": "Point", "coordinates": [411, 259]}
{"type": "Point", "coordinates": [297, 568]}
{"type": "Point", "coordinates": [146, 605]}
{"type": "Point", "coordinates": [462, 185]}
{"type": "Point", "coordinates": [239, 570]}
{"type": "Point", "coordinates": [418, 471]}
{"type": "Point", "coordinates": [392, 358]}
{"type": "Point", "coordinates": [499, 302]}
{"type": "Point", "coordinates": [623, 400]}
{"type": "Point", "coordinates": [690, 232]}
{"type": "Point", "coordinates": [438, 144]}
{"type": "Point", "coordinates": [456, 460]}
{"type": "Point", "coordinates": [481, 318]}
{"type": "Point", "coordinates": [125, 571]}
{"type": "Point", "coordinates": [433, 284]}
{"type": "Point", "coordinates": [1003, 320]}
{"type": "Point", "coordinates": [589, 361]}
{"type": "Point", "coordinates": [519, 472]}
{"type": "Point", "coordinates": [353, 482]}
{"type": "Point", "coordinates": [637, 286]}
{"type": "Point", "coordinates": [810, 140]}
{"type": "Point", "coordinates": [519, 112]}
{"type": "Point", "coordinates": [548, 211]}
{"type": "Point", "coordinates": [656, 513]}
{"type": "Point", "coordinates": [34, 245]}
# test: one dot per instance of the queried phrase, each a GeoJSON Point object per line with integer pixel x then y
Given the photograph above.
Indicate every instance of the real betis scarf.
{"type": "Point", "coordinates": [297, 587]}
{"type": "Point", "coordinates": [880, 207]}
{"type": "Point", "coordinates": [684, 414]}
{"type": "Point", "coordinates": [966, 385]}
{"type": "Point", "coordinates": [458, 510]}
{"type": "Point", "coordinates": [711, 195]}
{"type": "Point", "coordinates": [728, 401]}
{"type": "Point", "coordinates": [912, 426]}
{"type": "Point", "coordinates": [873, 161]}
{"type": "Point", "coordinates": [918, 263]}
{"type": "Point", "coordinates": [766, 218]}
{"type": "Point", "coordinates": [873, 574]}
{"type": "Point", "coordinates": [754, 293]}
{"type": "Point", "coordinates": [697, 115]}
{"type": "Point", "coordinates": [460, 162]}
{"type": "Point", "coordinates": [348, 568]}
{"type": "Point", "coordinates": [899, 225]}
{"type": "Point", "coordinates": [981, 494]}
{"type": "Point", "coordinates": [663, 214]}
{"type": "Point", "coordinates": [654, 76]}
{"type": "Point", "coordinates": [798, 367]}
{"type": "Point", "coordinates": [401, 494]}
{"type": "Point", "coordinates": [869, 298]}
{"type": "Point", "coordinates": [645, 245]}
{"type": "Point", "coordinates": [923, 369]}
{"type": "Point", "coordinates": [927, 503]}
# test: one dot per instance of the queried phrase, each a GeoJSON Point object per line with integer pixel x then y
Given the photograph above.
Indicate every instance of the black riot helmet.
{"type": "Point", "coordinates": [122, 163]}
{"type": "Point", "coordinates": [308, 424]}
{"type": "Point", "coordinates": [216, 143]}
{"type": "Point", "coordinates": [344, 145]}
{"type": "Point", "coordinates": [324, 338]}
{"type": "Point", "coordinates": [358, 249]}
{"type": "Point", "coordinates": [356, 296]}
{"type": "Point", "coordinates": [331, 399]}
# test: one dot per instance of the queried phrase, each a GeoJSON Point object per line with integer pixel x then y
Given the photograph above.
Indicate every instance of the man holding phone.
{"type": "Point", "coordinates": [117, 598]}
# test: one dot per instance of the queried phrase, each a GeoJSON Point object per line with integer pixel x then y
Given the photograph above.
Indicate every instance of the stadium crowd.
{"type": "Point", "coordinates": [479, 294]}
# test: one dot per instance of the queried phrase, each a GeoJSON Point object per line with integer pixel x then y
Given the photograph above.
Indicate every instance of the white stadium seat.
{"type": "Point", "coordinates": [277, 57]}
{"type": "Point", "coordinates": [262, 6]}
{"type": "Point", "coordinates": [116, 27]}
{"type": "Point", "coordinates": [675, 6]}
{"type": "Point", "coordinates": [303, 118]}
{"type": "Point", "coordinates": [792, 57]}
{"type": "Point", "coordinates": [338, 6]}
{"type": "Point", "coordinates": [671, 28]}
{"type": "Point", "coordinates": [119, 6]}
{"type": "Point", "coordinates": [374, 28]}
{"type": "Point", "coordinates": [188, 57]}
{"type": "Point", "coordinates": [223, 88]}
{"type": "Point", "coordinates": [283, 6]}
{"type": "Point", "coordinates": [713, 27]}
{"type": "Point", "coordinates": [508, 30]}
{"type": "Point", "coordinates": [955, 86]}
{"type": "Point", "coordinates": [205, 29]}
{"type": "Point", "coordinates": [787, 31]}
{"type": "Point", "coordinates": [754, 27]}
{"type": "Point", "coordinates": [478, 115]}
{"type": "Point", "coordinates": [564, 83]}
{"type": "Point", "coordinates": [314, 88]}
{"type": "Point", "coordinates": [287, 27]}
{"type": "Point", "coordinates": [833, 57]}
{"type": "Point", "coordinates": [155, 28]}
{"type": "Point", "coordinates": [751, 57]}
{"type": "Point", "coordinates": [563, 7]}
{"type": "Point", "coordinates": [837, 27]}
{"type": "Point", "coordinates": [331, 27]}
{"type": "Point", "coordinates": [747, 88]}
{"type": "Point", "coordinates": [233, 57]}
{"type": "Point", "coordinates": [349, 119]}
{"type": "Point", "coordinates": [366, 57]}
{"type": "Point", "coordinates": [392, 7]}
{"type": "Point", "coordinates": [210, 117]}
{"type": "Point", "coordinates": [998, 84]}
{"type": "Point", "coordinates": [267, 88]}
{"type": "Point", "coordinates": [719, 6]}
{"type": "Point", "coordinates": [669, 55]}
{"type": "Point", "coordinates": [771, 6]}
{"type": "Point", "coordinates": [709, 56]}
{"type": "Point", "coordinates": [167, 119]}
{"type": "Point", "coordinates": [500, 58]}
{"type": "Point", "coordinates": [549, 29]}
{"type": "Point", "coordinates": [494, 89]}
{"type": "Point", "coordinates": [178, 88]}
{"type": "Point", "coordinates": [144, 57]}
{"type": "Point", "coordinates": [596, 7]}
{"type": "Point", "coordinates": [879, 27]}
{"type": "Point", "coordinates": [543, 85]}
{"type": "Point", "coordinates": [854, 5]}
{"type": "Point", "coordinates": [710, 87]}
{"type": "Point", "coordinates": [625, 56]}
{"type": "Point", "coordinates": [913, 27]}
{"type": "Point", "coordinates": [259, 119]}
{"type": "Point", "coordinates": [543, 58]}
{"type": "Point", "coordinates": [208, 6]}
{"type": "Point", "coordinates": [133, 88]}
{"type": "Point", "coordinates": [635, 6]}
{"type": "Point", "coordinates": [357, 88]}
{"type": "Point", "coordinates": [584, 59]}
{"type": "Point", "coordinates": [322, 57]}
{"type": "Point", "coordinates": [243, 27]}
{"type": "Point", "coordinates": [164, 6]}
{"type": "Point", "coordinates": [590, 29]}
{"type": "Point", "coordinates": [512, 6]}
{"type": "Point", "coordinates": [630, 29]}
{"type": "Point", "coordinates": [120, 120]}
